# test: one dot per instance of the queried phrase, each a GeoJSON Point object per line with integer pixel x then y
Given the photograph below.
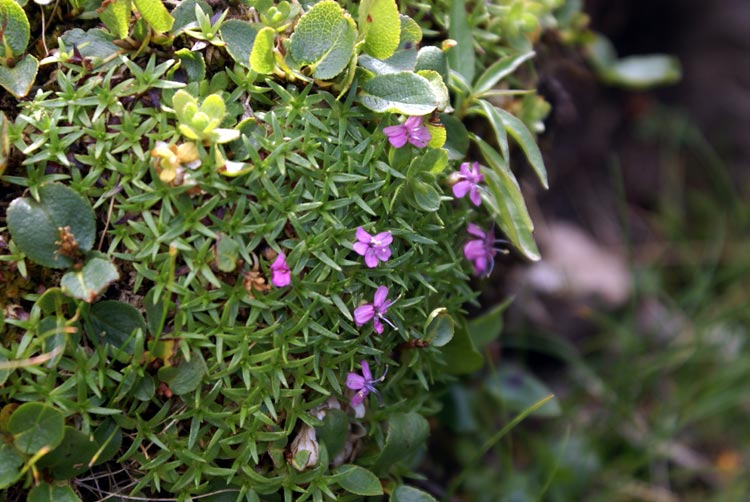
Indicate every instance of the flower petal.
{"type": "Point", "coordinates": [360, 248]}
{"type": "Point", "coordinates": [474, 249]}
{"type": "Point", "coordinates": [383, 254]}
{"type": "Point", "coordinates": [475, 197]}
{"type": "Point", "coordinates": [380, 295]}
{"type": "Point", "coordinates": [366, 371]}
{"type": "Point", "coordinates": [480, 265]}
{"type": "Point", "coordinates": [363, 235]}
{"type": "Point", "coordinates": [281, 279]}
{"type": "Point", "coordinates": [359, 397]}
{"type": "Point", "coordinates": [355, 381]}
{"type": "Point", "coordinates": [420, 137]}
{"type": "Point", "coordinates": [461, 188]}
{"type": "Point", "coordinates": [413, 122]}
{"type": "Point", "coordinates": [377, 325]}
{"type": "Point", "coordinates": [384, 238]}
{"type": "Point", "coordinates": [397, 135]}
{"type": "Point", "coordinates": [363, 314]}
{"type": "Point", "coordinates": [370, 259]}
{"type": "Point", "coordinates": [476, 230]}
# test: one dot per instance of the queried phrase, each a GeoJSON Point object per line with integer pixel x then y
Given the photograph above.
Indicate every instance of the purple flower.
{"type": "Point", "coordinates": [363, 384]}
{"type": "Point", "coordinates": [280, 274]}
{"type": "Point", "coordinates": [375, 311]}
{"type": "Point", "coordinates": [468, 182]}
{"type": "Point", "coordinates": [412, 131]}
{"type": "Point", "coordinates": [373, 248]}
{"type": "Point", "coordinates": [481, 252]}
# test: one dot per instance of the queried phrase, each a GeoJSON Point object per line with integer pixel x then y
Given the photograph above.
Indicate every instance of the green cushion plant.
{"type": "Point", "coordinates": [270, 241]}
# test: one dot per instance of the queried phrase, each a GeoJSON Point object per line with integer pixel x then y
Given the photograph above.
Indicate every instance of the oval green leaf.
{"type": "Point", "coordinates": [34, 225]}
{"type": "Point", "coordinates": [19, 79]}
{"type": "Point", "coordinates": [406, 433]}
{"type": "Point", "coordinates": [35, 426]}
{"type": "Point", "coordinates": [155, 14]}
{"type": "Point", "coordinates": [324, 40]}
{"type": "Point", "coordinates": [358, 480]}
{"type": "Point", "coordinates": [432, 58]}
{"type": "Point", "coordinates": [51, 493]}
{"type": "Point", "coordinates": [71, 457]}
{"type": "Point", "coordinates": [116, 17]}
{"type": "Point", "coordinates": [89, 282]}
{"type": "Point", "coordinates": [240, 38]}
{"type": "Point", "coordinates": [10, 464]}
{"type": "Point", "coordinates": [16, 29]}
{"type": "Point", "coordinates": [402, 92]}
{"type": "Point", "coordinates": [379, 20]}
{"type": "Point", "coordinates": [405, 493]}
{"type": "Point", "coordinates": [114, 323]}
{"type": "Point", "coordinates": [185, 377]}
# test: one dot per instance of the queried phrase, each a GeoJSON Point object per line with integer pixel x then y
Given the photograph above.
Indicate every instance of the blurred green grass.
{"type": "Point", "coordinates": [656, 398]}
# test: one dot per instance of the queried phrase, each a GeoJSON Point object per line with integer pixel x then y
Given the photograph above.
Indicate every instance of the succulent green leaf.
{"type": "Point", "coordinates": [460, 354]}
{"type": "Point", "coordinates": [379, 21]}
{"type": "Point", "coordinates": [439, 328]}
{"type": "Point", "coordinates": [227, 253]}
{"type": "Point", "coordinates": [116, 17]}
{"type": "Point", "coordinates": [461, 58]}
{"type": "Point", "coordinates": [324, 40]}
{"type": "Point", "coordinates": [439, 90]}
{"type": "Point", "coordinates": [214, 108]}
{"type": "Point", "coordinates": [185, 377]}
{"type": "Point", "coordinates": [19, 79]}
{"type": "Point", "coordinates": [34, 225]}
{"type": "Point", "coordinates": [35, 426]}
{"type": "Point", "coordinates": [423, 195]}
{"type": "Point", "coordinates": [155, 14]}
{"type": "Point", "coordinates": [432, 58]}
{"type": "Point", "coordinates": [15, 29]}
{"type": "Point", "coordinates": [411, 33]}
{"type": "Point", "coordinates": [240, 39]}
{"type": "Point", "coordinates": [262, 59]}
{"type": "Point", "coordinates": [506, 202]}
{"type": "Point", "coordinates": [114, 323]}
{"type": "Point", "coordinates": [406, 434]}
{"type": "Point", "coordinates": [404, 92]}
{"type": "Point", "coordinates": [10, 464]}
{"type": "Point", "coordinates": [499, 70]}
{"type": "Point", "coordinates": [45, 492]}
{"type": "Point", "coordinates": [91, 280]}
{"type": "Point", "coordinates": [518, 389]}
{"type": "Point", "coordinates": [358, 480]}
{"type": "Point", "coordinates": [406, 493]}
{"type": "Point", "coordinates": [525, 139]}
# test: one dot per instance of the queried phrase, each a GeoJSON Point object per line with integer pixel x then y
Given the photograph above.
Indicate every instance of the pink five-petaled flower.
{"type": "Point", "coordinates": [375, 311]}
{"type": "Point", "coordinates": [363, 384]}
{"type": "Point", "coordinates": [412, 131]}
{"type": "Point", "coordinates": [280, 274]}
{"type": "Point", "coordinates": [480, 252]}
{"type": "Point", "coordinates": [373, 248]}
{"type": "Point", "coordinates": [469, 178]}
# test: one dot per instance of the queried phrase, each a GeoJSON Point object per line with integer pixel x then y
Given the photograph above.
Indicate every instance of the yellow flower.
{"type": "Point", "coordinates": [170, 161]}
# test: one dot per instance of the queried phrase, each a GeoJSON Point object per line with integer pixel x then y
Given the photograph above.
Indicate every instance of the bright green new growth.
{"type": "Point", "coordinates": [201, 122]}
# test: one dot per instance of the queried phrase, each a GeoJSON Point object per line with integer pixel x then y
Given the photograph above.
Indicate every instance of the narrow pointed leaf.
{"type": "Point", "coordinates": [499, 70]}
{"type": "Point", "coordinates": [526, 141]}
